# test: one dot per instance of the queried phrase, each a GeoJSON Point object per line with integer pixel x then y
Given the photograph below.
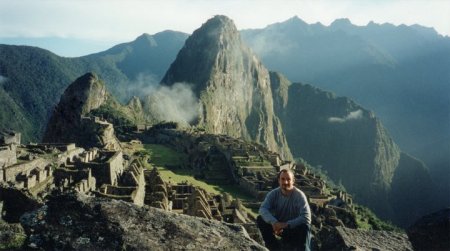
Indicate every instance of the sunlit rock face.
{"type": "Point", "coordinates": [231, 83]}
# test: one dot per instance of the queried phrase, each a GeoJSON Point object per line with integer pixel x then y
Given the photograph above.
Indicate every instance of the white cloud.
{"type": "Point", "coordinates": [173, 103]}
{"type": "Point", "coordinates": [2, 79]}
{"type": "Point", "coordinates": [355, 115]}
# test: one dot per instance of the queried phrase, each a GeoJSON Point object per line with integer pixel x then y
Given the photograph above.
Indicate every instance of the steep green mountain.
{"type": "Point", "coordinates": [352, 146]}
{"type": "Point", "coordinates": [399, 72]}
{"type": "Point", "coordinates": [232, 85]}
{"type": "Point", "coordinates": [33, 79]}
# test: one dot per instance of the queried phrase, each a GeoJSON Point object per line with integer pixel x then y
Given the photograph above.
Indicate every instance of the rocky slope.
{"type": "Point", "coordinates": [88, 223]}
{"type": "Point", "coordinates": [352, 146]}
{"type": "Point", "coordinates": [343, 238]}
{"type": "Point", "coordinates": [67, 124]}
{"type": "Point", "coordinates": [232, 85]}
{"type": "Point", "coordinates": [432, 231]}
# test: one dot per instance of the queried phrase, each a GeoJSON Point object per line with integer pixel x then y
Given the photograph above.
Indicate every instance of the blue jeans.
{"type": "Point", "coordinates": [297, 238]}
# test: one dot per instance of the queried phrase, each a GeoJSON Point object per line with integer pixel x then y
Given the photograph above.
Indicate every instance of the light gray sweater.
{"type": "Point", "coordinates": [292, 209]}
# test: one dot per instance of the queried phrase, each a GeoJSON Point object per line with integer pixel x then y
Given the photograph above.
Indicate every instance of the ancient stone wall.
{"type": "Point", "coordinates": [80, 178]}
{"type": "Point", "coordinates": [156, 191]}
{"type": "Point", "coordinates": [106, 168]}
{"type": "Point", "coordinates": [115, 165]}
{"type": "Point", "coordinates": [70, 154]}
{"type": "Point", "coordinates": [11, 172]}
{"type": "Point", "coordinates": [8, 155]}
{"type": "Point", "coordinates": [10, 137]}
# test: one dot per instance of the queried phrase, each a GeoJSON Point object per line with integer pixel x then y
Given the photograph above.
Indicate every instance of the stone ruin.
{"type": "Point", "coordinates": [9, 140]}
{"type": "Point", "coordinates": [192, 200]}
{"type": "Point", "coordinates": [36, 169]}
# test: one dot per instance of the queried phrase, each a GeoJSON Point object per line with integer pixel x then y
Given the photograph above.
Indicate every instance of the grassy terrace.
{"type": "Point", "coordinates": [162, 156]}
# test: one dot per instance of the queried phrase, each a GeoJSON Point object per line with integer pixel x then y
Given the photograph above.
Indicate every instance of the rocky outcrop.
{"type": "Point", "coordinates": [342, 238]}
{"type": "Point", "coordinates": [82, 96]}
{"type": "Point", "coordinates": [431, 232]}
{"type": "Point", "coordinates": [68, 125]}
{"type": "Point", "coordinates": [85, 223]}
{"type": "Point", "coordinates": [231, 83]}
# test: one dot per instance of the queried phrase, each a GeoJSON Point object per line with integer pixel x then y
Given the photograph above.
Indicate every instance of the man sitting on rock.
{"type": "Point", "coordinates": [285, 213]}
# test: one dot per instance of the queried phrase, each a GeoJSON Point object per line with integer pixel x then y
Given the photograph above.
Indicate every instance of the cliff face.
{"type": "Point", "coordinates": [353, 147]}
{"type": "Point", "coordinates": [232, 85]}
{"type": "Point", "coordinates": [66, 125]}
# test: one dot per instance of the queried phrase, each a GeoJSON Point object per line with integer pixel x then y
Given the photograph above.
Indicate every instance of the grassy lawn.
{"type": "Point", "coordinates": [161, 155]}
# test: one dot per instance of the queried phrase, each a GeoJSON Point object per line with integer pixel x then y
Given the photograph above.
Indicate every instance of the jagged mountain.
{"type": "Point", "coordinates": [67, 123]}
{"type": "Point", "coordinates": [352, 146]}
{"type": "Point", "coordinates": [399, 72]}
{"type": "Point", "coordinates": [232, 85]}
{"type": "Point", "coordinates": [32, 79]}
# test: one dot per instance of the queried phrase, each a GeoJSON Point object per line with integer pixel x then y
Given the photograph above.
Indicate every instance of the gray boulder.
{"type": "Point", "coordinates": [79, 222]}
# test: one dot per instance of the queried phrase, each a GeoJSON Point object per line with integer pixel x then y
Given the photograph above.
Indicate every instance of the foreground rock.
{"type": "Point", "coordinates": [86, 223]}
{"type": "Point", "coordinates": [431, 232]}
{"type": "Point", "coordinates": [343, 238]}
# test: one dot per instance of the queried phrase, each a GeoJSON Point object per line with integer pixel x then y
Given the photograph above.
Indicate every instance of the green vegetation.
{"type": "Point", "coordinates": [180, 176]}
{"type": "Point", "coordinates": [366, 219]}
{"type": "Point", "coordinates": [166, 160]}
{"type": "Point", "coordinates": [12, 237]}
{"type": "Point", "coordinates": [162, 156]}
{"type": "Point", "coordinates": [114, 115]}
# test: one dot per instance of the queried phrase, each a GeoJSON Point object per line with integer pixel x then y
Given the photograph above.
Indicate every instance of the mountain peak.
{"type": "Point", "coordinates": [233, 86]}
{"type": "Point", "coordinates": [295, 19]}
{"type": "Point", "coordinates": [217, 27]}
{"type": "Point", "coordinates": [341, 23]}
{"type": "Point", "coordinates": [145, 39]}
{"type": "Point", "coordinates": [218, 34]}
{"type": "Point", "coordinates": [292, 23]}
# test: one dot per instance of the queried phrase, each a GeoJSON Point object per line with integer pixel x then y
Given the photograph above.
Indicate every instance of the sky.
{"type": "Point", "coordinates": [80, 27]}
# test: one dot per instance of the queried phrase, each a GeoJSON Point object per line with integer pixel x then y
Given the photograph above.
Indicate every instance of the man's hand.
{"type": "Point", "coordinates": [278, 227]}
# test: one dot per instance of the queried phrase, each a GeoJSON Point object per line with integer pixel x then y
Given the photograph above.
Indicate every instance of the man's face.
{"type": "Point", "coordinates": [286, 182]}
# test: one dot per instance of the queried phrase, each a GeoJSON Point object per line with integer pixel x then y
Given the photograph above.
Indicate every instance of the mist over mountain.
{"type": "Point", "coordinates": [399, 72]}
{"type": "Point", "coordinates": [232, 85]}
